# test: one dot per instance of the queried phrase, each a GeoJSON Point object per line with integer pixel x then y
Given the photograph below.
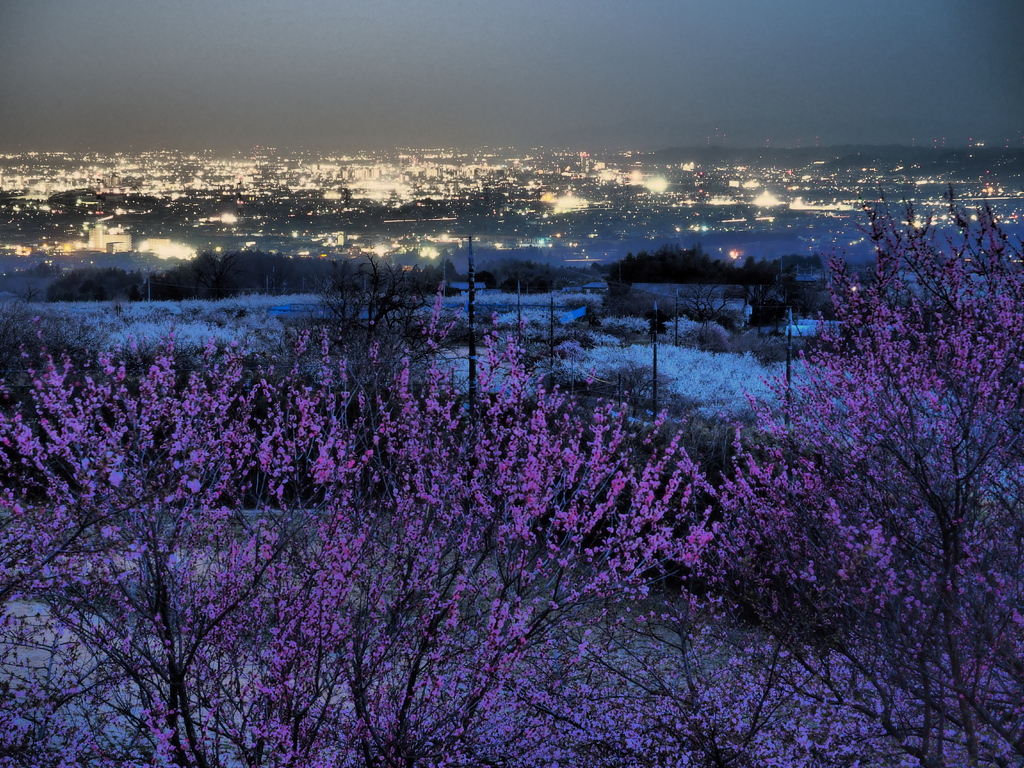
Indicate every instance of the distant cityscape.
{"type": "Point", "coordinates": [411, 205]}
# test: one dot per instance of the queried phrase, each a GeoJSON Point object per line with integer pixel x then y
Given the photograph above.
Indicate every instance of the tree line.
{"type": "Point", "coordinates": [671, 263]}
{"type": "Point", "coordinates": [216, 275]}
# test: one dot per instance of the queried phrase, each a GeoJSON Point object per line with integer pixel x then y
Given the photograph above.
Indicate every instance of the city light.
{"type": "Point", "coordinates": [657, 185]}
{"type": "Point", "coordinates": [166, 249]}
{"type": "Point", "coordinates": [570, 202]}
{"type": "Point", "coordinates": [390, 204]}
{"type": "Point", "coordinates": [766, 200]}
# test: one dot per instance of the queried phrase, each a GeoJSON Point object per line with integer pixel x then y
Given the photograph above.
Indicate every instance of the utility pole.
{"type": "Point", "coordinates": [675, 340]}
{"type": "Point", "coordinates": [789, 365]}
{"type": "Point", "coordinates": [472, 332]}
{"type": "Point", "coordinates": [654, 335]}
{"type": "Point", "coordinates": [519, 311]}
{"type": "Point", "coordinates": [781, 292]}
{"type": "Point", "coordinates": [551, 330]}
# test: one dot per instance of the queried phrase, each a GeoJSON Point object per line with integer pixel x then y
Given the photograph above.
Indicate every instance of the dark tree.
{"type": "Point", "coordinates": [669, 264]}
{"type": "Point", "coordinates": [216, 275]}
{"type": "Point", "coordinates": [371, 298]}
{"type": "Point", "coordinates": [703, 303]}
{"type": "Point", "coordinates": [94, 284]}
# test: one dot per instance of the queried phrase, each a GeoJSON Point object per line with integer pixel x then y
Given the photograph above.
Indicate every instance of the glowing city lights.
{"type": "Point", "coordinates": [767, 200]}
{"type": "Point", "coordinates": [658, 185]}
{"type": "Point", "coordinates": [568, 203]}
{"type": "Point", "coordinates": [167, 249]}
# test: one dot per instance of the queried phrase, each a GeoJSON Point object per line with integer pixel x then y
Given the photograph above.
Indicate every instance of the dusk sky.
{"type": "Point", "coordinates": [346, 75]}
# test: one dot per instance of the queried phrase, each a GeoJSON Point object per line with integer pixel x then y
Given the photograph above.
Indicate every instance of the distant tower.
{"type": "Point", "coordinates": [100, 239]}
{"type": "Point", "coordinates": [97, 237]}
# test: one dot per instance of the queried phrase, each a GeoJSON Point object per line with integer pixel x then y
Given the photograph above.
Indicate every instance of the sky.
{"type": "Point", "coordinates": [349, 75]}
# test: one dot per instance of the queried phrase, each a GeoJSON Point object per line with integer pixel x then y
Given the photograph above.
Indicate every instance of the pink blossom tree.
{"type": "Point", "coordinates": [678, 681]}
{"type": "Point", "coordinates": [880, 536]}
{"type": "Point", "coordinates": [294, 570]}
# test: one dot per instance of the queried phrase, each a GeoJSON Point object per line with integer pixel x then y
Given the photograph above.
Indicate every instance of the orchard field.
{"type": "Point", "coordinates": [238, 536]}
